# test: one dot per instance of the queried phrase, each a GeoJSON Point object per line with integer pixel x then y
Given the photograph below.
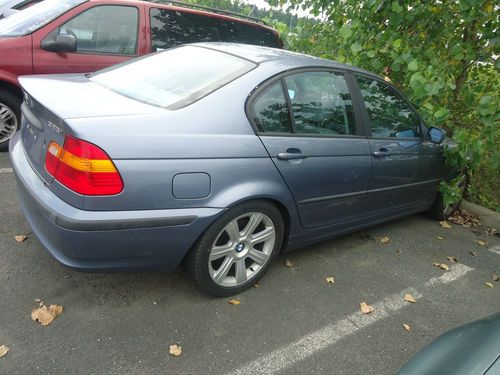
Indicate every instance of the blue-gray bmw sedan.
{"type": "Point", "coordinates": [221, 155]}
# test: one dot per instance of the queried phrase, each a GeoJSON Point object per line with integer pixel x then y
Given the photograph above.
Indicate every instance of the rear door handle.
{"type": "Point", "coordinates": [291, 154]}
{"type": "Point", "coordinates": [381, 153]}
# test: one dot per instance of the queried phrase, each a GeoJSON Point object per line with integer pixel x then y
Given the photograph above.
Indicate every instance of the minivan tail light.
{"type": "Point", "coordinates": [83, 167]}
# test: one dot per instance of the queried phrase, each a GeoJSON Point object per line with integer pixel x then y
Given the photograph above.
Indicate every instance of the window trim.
{"type": "Point", "coordinates": [366, 118]}
{"type": "Point", "coordinates": [95, 52]}
{"type": "Point", "coordinates": [260, 88]}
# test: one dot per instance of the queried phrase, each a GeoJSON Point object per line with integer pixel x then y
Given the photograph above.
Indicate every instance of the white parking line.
{"type": "Point", "coordinates": [6, 170]}
{"type": "Point", "coordinates": [495, 249]}
{"type": "Point", "coordinates": [318, 340]}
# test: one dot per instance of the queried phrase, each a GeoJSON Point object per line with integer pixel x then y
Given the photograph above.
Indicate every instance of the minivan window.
{"type": "Point", "coordinates": [170, 28]}
{"type": "Point", "coordinates": [36, 16]}
{"type": "Point", "coordinates": [103, 29]}
{"type": "Point", "coordinates": [174, 78]}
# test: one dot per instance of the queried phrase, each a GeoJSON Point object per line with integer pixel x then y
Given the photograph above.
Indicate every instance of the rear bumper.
{"type": "Point", "coordinates": [105, 240]}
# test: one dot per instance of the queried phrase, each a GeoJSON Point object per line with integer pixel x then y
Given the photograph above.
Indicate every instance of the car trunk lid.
{"type": "Point", "coordinates": [49, 100]}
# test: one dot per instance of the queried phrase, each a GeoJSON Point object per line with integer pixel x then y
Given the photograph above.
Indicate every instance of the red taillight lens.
{"type": "Point", "coordinates": [83, 167]}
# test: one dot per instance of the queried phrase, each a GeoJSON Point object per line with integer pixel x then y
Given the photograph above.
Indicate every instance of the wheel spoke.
{"type": "Point", "coordinates": [233, 231]}
{"type": "Point", "coordinates": [241, 271]}
{"type": "Point", "coordinates": [265, 235]}
{"type": "Point", "coordinates": [252, 224]}
{"type": "Point", "coordinates": [221, 273]}
{"type": "Point", "coordinates": [221, 251]}
{"type": "Point", "coordinates": [257, 256]}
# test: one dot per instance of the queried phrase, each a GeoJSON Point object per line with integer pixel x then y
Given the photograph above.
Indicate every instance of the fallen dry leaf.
{"type": "Point", "coordinates": [387, 79]}
{"type": "Point", "coordinates": [45, 315]}
{"type": "Point", "coordinates": [409, 298]}
{"type": "Point", "coordinates": [407, 327]}
{"type": "Point", "coordinates": [472, 253]}
{"type": "Point", "coordinates": [175, 350]}
{"type": "Point", "coordinates": [452, 259]}
{"type": "Point", "coordinates": [444, 266]}
{"type": "Point", "coordinates": [3, 350]}
{"type": "Point", "coordinates": [436, 264]}
{"type": "Point", "coordinates": [20, 237]}
{"type": "Point", "coordinates": [56, 310]}
{"type": "Point", "coordinates": [465, 219]}
{"type": "Point", "coordinates": [439, 238]}
{"type": "Point", "coordinates": [330, 279]}
{"type": "Point", "coordinates": [234, 302]}
{"type": "Point", "coordinates": [399, 252]}
{"type": "Point", "coordinates": [492, 232]}
{"type": "Point", "coordinates": [385, 240]}
{"type": "Point", "coordinates": [288, 263]}
{"type": "Point", "coordinates": [495, 277]}
{"type": "Point", "coordinates": [445, 224]}
{"type": "Point", "coordinates": [365, 308]}
{"type": "Point", "coordinates": [256, 285]}
{"type": "Point", "coordinates": [481, 242]}
{"type": "Point", "coordinates": [489, 285]}
{"type": "Point", "coordinates": [42, 315]}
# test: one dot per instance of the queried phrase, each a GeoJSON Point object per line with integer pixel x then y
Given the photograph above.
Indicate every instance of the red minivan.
{"type": "Point", "coordinates": [78, 36]}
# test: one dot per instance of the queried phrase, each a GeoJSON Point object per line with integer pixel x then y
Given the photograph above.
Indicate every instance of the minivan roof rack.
{"type": "Point", "coordinates": [208, 9]}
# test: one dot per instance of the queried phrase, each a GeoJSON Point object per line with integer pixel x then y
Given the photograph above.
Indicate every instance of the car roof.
{"type": "Point", "coordinates": [289, 59]}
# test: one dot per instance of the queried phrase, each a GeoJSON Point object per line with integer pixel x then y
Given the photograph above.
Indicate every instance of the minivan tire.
{"type": "Point", "coordinates": [199, 266]}
{"type": "Point", "coordinates": [9, 104]}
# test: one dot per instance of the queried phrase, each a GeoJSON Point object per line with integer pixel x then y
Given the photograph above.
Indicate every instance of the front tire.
{"type": "Point", "coordinates": [237, 249]}
{"type": "Point", "coordinates": [9, 117]}
{"type": "Point", "coordinates": [441, 211]}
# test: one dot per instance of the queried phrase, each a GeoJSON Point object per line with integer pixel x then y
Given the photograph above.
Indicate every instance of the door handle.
{"type": "Point", "coordinates": [381, 153]}
{"type": "Point", "coordinates": [291, 156]}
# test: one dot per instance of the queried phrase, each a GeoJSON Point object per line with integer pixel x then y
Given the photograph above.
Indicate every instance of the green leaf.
{"type": "Point", "coordinates": [356, 47]}
{"type": "Point", "coordinates": [345, 31]}
{"type": "Point", "coordinates": [440, 114]}
{"type": "Point", "coordinates": [397, 43]}
{"type": "Point", "coordinates": [413, 65]}
{"type": "Point", "coordinates": [396, 7]}
{"type": "Point", "coordinates": [370, 54]}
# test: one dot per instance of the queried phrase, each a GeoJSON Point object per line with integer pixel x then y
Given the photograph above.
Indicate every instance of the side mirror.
{"type": "Point", "coordinates": [62, 43]}
{"type": "Point", "coordinates": [436, 135]}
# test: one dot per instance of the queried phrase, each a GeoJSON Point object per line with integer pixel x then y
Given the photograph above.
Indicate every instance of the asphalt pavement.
{"type": "Point", "coordinates": [295, 322]}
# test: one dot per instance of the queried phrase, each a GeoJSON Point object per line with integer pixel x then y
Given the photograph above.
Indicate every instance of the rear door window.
{"type": "Point", "coordinates": [321, 103]}
{"type": "Point", "coordinates": [170, 28]}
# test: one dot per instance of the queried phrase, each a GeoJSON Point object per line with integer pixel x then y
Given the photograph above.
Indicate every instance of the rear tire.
{"type": "Point", "coordinates": [439, 210]}
{"type": "Point", "coordinates": [10, 117]}
{"type": "Point", "coordinates": [237, 249]}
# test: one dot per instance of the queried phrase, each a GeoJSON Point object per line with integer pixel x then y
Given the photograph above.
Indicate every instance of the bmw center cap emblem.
{"type": "Point", "coordinates": [239, 248]}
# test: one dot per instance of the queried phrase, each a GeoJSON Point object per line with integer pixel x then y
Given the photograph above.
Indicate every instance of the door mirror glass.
{"type": "Point", "coordinates": [436, 135]}
{"type": "Point", "coordinates": [62, 43]}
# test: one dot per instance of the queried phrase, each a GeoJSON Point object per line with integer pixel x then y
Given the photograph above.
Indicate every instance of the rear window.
{"type": "Point", "coordinates": [170, 28]}
{"type": "Point", "coordinates": [35, 17]}
{"type": "Point", "coordinates": [175, 78]}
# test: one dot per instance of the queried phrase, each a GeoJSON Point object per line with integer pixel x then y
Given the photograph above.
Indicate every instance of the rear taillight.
{"type": "Point", "coordinates": [83, 167]}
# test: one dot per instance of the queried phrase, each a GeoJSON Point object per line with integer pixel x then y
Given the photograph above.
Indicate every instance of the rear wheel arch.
{"type": "Point", "coordinates": [12, 89]}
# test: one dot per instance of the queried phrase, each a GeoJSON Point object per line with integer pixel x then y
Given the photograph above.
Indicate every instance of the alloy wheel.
{"type": "Point", "coordinates": [8, 123]}
{"type": "Point", "coordinates": [241, 249]}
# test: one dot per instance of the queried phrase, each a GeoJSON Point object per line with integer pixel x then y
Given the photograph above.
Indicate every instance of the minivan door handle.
{"type": "Point", "coordinates": [381, 153]}
{"type": "Point", "coordinates": [291, 154]}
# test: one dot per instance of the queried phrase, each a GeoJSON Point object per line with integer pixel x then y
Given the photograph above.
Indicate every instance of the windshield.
{"type": "Point", "coordinates": [174, 78]}
{"type": "Point", "coordinates": [36, 16]}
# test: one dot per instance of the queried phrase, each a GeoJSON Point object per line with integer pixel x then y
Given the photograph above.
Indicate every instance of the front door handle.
{"type": "Point", "coordinates": [381, 153]}
{"type": "Point", "coordinates": [291, 154]}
